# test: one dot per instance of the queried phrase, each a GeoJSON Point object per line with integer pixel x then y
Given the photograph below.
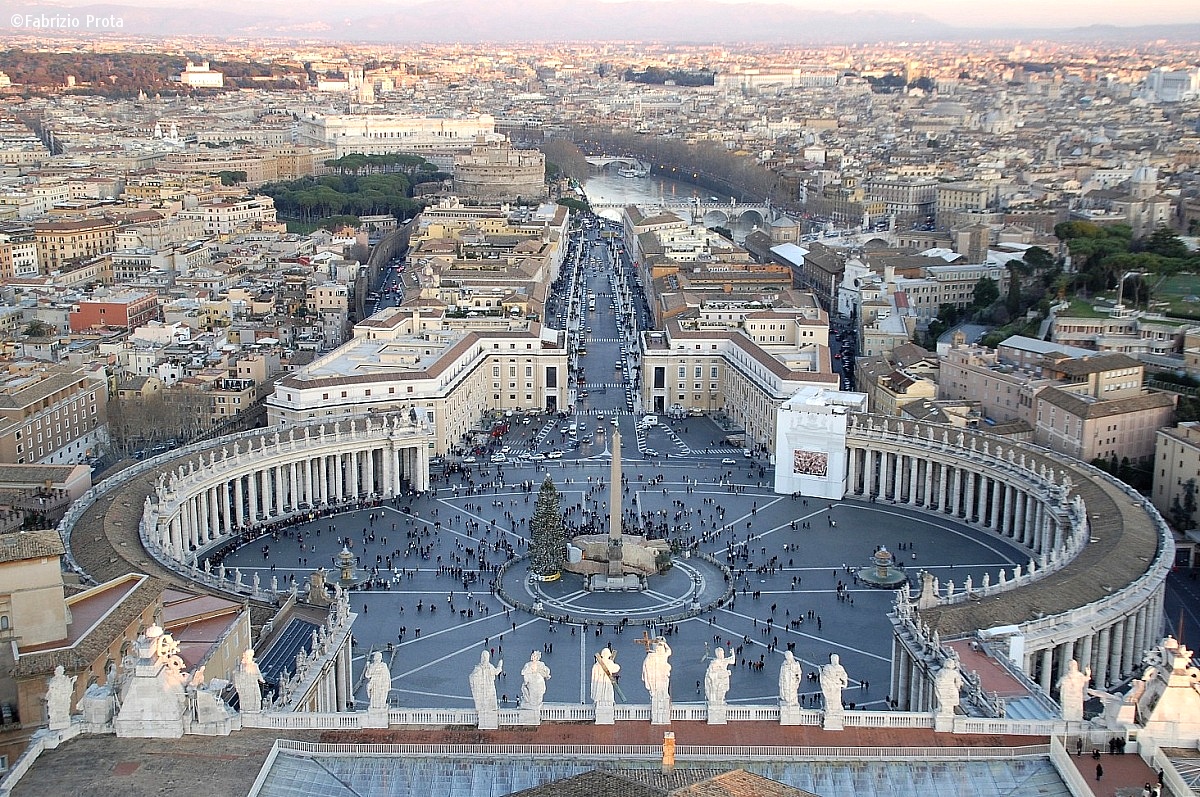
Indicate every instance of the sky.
{"type": "Point", "coordinates": [963, 13]}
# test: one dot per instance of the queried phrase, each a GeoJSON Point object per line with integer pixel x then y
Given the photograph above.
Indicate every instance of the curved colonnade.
{"type": "Point", "coordinates": [1092, 590]}
{"type": "Point", "coordinates": [1099, 552]}
{"type": "Point", "coordinates": [212, 497]}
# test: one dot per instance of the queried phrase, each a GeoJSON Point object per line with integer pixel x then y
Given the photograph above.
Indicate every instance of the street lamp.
{"type": "Point", "coordinates": [1121, 284]}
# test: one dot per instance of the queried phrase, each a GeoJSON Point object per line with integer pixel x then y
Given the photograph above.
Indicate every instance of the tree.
{"type": "Point", "coordinates": [1038, 258]}
{"type": "Point", "coordinates": [1182, 513]}
{"type": "Point", "coordinates": [1165, 242]}
{"type": "Point", "coordinates": [986, 292]}
{"type": "Point", "coordinates": [36, 329]}
{"type": "Point", "coordinates": [548, 535]}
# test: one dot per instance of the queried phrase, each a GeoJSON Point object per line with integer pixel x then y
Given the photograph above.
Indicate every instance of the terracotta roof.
{"type": "Point", "coordinates": [83, 653]}
{"type": "Point", "coordinates": [1095, 364]}
{"type": "Point", "coordinates": [1088, 408]}
{"type": "Point", "coordinates": [30, 545]}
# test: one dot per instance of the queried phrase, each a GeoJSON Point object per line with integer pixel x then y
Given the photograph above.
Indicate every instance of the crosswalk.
{"type": "Point", "coordinates": [603, 385]}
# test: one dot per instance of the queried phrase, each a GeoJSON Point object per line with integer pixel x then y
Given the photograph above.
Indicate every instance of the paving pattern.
{"type": "Point", "coordinates": [436, 610]}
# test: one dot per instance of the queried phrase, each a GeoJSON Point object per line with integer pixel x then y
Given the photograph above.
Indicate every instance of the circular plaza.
{"type": "Point", "coordinates": [1008, 535]}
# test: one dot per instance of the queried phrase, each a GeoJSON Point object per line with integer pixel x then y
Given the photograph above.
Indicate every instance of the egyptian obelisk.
{"type": "Point", "coordinates": [615, 564]}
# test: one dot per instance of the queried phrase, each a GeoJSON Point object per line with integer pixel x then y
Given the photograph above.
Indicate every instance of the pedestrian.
{"type": "Point", "coordinates": [1079, 746]}
{"type": "Point", "coordinates": [1099, 771]}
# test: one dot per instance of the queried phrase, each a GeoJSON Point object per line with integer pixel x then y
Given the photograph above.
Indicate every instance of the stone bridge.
{"type": "Point", "coordinates": [708, 213]}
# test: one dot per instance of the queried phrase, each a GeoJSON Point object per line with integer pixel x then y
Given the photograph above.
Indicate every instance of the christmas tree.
{"type": "Point", "coordinates": [546, 526]}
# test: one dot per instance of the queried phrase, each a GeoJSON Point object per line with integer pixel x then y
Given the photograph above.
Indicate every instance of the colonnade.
{"type": "Point", "coordinates": [1030, 512]}
{"type": "Point", "coordinates": [1034, 501]}
{"type": "Point", "coordinates": [307, 469]}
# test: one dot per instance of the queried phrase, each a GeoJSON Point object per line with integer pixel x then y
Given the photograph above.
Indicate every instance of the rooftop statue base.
{"type": "Point", "coordinates": [606, 714]}
{"type": "Point", "coordinates": [717, 714]}
{"type": "Point", "coordinates": [529, 716]}
{"type": "Point", "coordinates": [790, 715]}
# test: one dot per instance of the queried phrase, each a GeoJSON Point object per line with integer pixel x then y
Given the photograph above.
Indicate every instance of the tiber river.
{"type": "Point", "coordinates": [610, 187]}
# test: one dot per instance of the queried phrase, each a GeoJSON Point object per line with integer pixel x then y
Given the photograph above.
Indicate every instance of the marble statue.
{"type": "Point", "coordinates": [946, 685]}
{"type": "Point", "coordinates": [483, 683]}
{"type": "Point", "coordinates": [791, 675]}
{"type": "Point", "coordinates": [379, 682]}
{"type": "Point", "coordinates": [656, 675]}
{"type": "Point", "coordinates": [604, 677]}
{"type": "Point", "coordinates": [716, 678]}
{"type": "Point", "coordinates": [59, 688]}
{"type": "Point", "coordinates": [247, 680]}
{"type": "Point", "coordinates": [534, 675]}
{"type": "Point", "coordinates": [1072, 691]}
{"type": "Point", "coordinates": [833, 681]}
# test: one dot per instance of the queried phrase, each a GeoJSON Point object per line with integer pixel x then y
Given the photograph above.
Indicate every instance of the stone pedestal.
{"type": "Point", "coordinates": [530, 716]}
{"type": "Point", "coordinates": [789, 715]}
{"type": "Point", "coordinates": [489, 720]}
{"type": "Point", "coordinates": [660, 712]}
{"type": "Point", "coordinates": [98, 705]}
{"type": "Point", "coordinates": [214, 717]}
{"type": "Point", "coordinates": [834, 719]}
{"type": "Point", "coordinates": [943, 723]}
{"type": "Point", "coordinates": [606, 714]}
{"type": "Point", "coordinates": [716, 713]}
{"type": "Point", "coordinates": [376, 718]}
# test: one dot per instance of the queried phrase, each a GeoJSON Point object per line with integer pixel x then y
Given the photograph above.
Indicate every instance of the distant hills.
{"type": "Point", "coordinates": [673, 21]}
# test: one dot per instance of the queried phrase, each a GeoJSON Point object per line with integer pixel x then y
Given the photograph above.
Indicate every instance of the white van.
{"type": "Point", "coordinates": [649, 420]}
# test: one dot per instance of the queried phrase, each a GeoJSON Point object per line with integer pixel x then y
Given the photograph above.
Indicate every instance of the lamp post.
{"type": "Point", "coordinates": [1121, 284]}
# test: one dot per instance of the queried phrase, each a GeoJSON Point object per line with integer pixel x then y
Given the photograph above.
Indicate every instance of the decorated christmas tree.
{"type": "Point", "coordinates": [546, 526]}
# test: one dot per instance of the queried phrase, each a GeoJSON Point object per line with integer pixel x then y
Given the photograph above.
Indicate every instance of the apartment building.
{"type": "Point", "coordinates": [226, 217]}
{"type": "Point", "coordinates": [1176, 492]}
{"type": "Point", "coordinates": [51, 414]}
{"type": "Point", "coordinates": [125, 310]}
{"type": "Point", "coordinates": [63, 242]}
{"type": "Point", "coordinates": [18, 252]}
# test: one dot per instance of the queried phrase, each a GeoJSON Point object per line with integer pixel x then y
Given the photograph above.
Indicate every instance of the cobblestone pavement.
{"type": "Point", "coordinates": [786, 579]}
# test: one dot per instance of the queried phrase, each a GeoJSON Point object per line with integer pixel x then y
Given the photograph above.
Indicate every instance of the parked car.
{"type": "Point", "coordinates": [728, 461]}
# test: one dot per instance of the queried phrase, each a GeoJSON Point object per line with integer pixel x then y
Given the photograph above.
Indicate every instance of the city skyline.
{"type": "Point", "coordinates": [772, 20]}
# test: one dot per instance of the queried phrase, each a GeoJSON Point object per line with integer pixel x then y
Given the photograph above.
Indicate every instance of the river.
{"type": "Point", "coordinates": [610, 187]}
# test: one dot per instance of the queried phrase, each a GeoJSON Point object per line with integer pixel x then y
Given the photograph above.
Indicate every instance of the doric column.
{"type": "Point", "coordinates": [997, 498]}
{"type": "Point", "coordinates": [1085, 652]}
{"type": "Point", "coordinates": [177, 546]}
{"type": "Point", "coordinates": [1117, 652]}
{"type": "Point", "coordinates": [323, 473]}
{"type": "Point", "coordinates": [370, 471]}
{"type": "Point", "coordinates": [264, 491]}
{"type": "Point", "coordinates": [852, 471]}
{"type": "Point", "coordinates": [226, 512]}
{"type": "Point", "coordinates": [885, 474]}
{"type": "Point", "coordinates": [293, 485]}
{"type": "Point", "coordinates": [214, 513]}
{"type": "Point", "coordinates": [1130, 653]}
{"type": "Point", "coordinates": [280, 488]}
{"type": "Point", "coordinates": [1010, 510]}
{"type": "Point", "coordinates": [1103, 653]}
{"type": "Point", "coordinates": [955, 490]}
{"type": "Point", "coordinates": [239, 497]}
{"type": "Point", "coordinates": [969, 507]}
{"type": "Point", "coordinates": [927, 464]}
{"type": "Point", "coordinates": [1029, 531]}
{"type": "Point", "coordinates": [1047, 657]}
{"type": "Point", "coordinates": [387, 459]}
{"type": "Point", "coordinates": [353, 464]}
{"type": "Point", "coordinates": [913, 464]}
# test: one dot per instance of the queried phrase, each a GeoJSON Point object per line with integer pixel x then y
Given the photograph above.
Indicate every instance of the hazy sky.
{"type": "Point", "coordinates": [966, 13]}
